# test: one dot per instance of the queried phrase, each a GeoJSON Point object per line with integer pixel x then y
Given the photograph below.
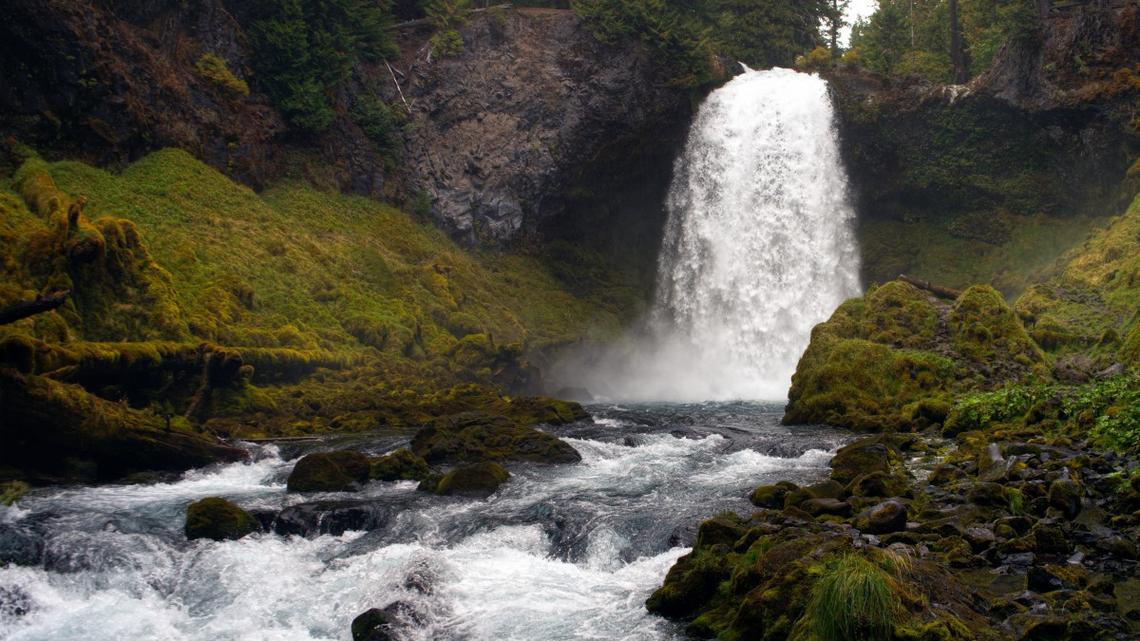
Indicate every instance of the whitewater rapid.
{"type": "Point", "coordinates": [758, 248]}
{"type": "Point", "coordinates": [560, 552]}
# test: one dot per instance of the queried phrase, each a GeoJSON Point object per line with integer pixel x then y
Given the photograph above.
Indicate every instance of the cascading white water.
{"type": "Point", "coordinates": [758, 248]}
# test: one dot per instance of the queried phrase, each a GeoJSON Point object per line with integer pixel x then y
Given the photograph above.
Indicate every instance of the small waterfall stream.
{"type": "Point", "coordinates": [758, 249]}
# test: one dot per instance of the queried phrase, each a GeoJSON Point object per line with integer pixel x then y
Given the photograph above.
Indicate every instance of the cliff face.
{"type": "Point", "coordinates": [520, 127]}
{"type": "Point", "coordinates": [993, 181]}
{"type": "Point", "coordinates": [531, 115]}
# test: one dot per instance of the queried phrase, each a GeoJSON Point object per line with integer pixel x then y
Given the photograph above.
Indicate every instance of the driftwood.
{"type": "Point", "coordinates": [937, 290]}
{"type": "Point", "coordinates": [424, 21]}
{"type": "Point", "coordinates": [26, 308]}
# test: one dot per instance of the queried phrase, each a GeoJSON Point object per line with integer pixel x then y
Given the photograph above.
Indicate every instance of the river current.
{"type": "Point", "coordinates": [559, 552]}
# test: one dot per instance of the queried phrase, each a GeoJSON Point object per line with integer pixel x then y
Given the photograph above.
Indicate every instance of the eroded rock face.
{"type": "Point", "coordinates": [533, 108]}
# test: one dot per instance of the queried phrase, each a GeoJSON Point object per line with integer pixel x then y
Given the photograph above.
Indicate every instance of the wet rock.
{"type": "Point", "coordinates": [945, 473]}
{"type": "Point", "coordinates": [19, 546]}
{"type": "Point", "coordinates": [372, 625]}
{"type": "Point", "coordinates": [884, 518]}
{"type": "Point", "coordinates": [476, 480]}
{"type": "Point", "coordinates": [476, 436]}
{"type": "Point", "coordinates": [330, 517]}
{"type": "Point", "coordinates": [825, 490]}
{"type": "Point", "coordinates": [772, 496]}
{"type": "Point", "coordinates": [724, 529]}
{"type": "Point", "coordinates": [988, 494]}
{"type": "Point", "coordinates": [401, 465]}
{"type": "Point", "coordinates": [691, 581]}
{"type": "Point", "coordinates": [878, 484]}
{"type": "Point", "coordinates": [818, 507]}
{"type": "Point", "coordinates": [979, 538]}
{"type": "Point", "coordinates": [1041, 579]}
{"type": "Point", "coordinates": [340, 471]}
{"type": "Point", "coordinates": [863, 457]}
{"type": "Point", "coordinates": [1065, 495]}
{"type": "Point", "coordinates": [217, 519]}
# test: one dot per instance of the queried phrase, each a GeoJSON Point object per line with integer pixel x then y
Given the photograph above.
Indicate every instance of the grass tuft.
{"type": "Point", "coordinates": [854, 600]}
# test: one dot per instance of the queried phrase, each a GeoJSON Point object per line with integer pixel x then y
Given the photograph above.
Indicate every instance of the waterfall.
{"type": "Point", "coordinates": [758, 248]}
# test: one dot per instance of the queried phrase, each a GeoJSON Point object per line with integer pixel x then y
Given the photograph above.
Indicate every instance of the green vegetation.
{"type": "Point", "coordinates": [197, 298]}
{"type": "Point", "coordinates": [213, 67]}
{"type": "Point", "coordinates": [218, 519]}
{"type": "Point", "coordinates": [447, 16]}
{"type": "Point", "coordinates": [691, 37]}
{"type": "Point", "coordinates": [303, 49]}
{"type": "Point", "coordinates": [854, 599]}
{"type": "Point", "coordinates": [913, 37]}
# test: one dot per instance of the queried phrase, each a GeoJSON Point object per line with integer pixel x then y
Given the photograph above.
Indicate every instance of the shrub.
{"type": "Point", "coordinates": [447, 16]}
{"type": "Point", "coordinates": [214, 68]}
{"type": "Point", "coordinates": [817, 59]}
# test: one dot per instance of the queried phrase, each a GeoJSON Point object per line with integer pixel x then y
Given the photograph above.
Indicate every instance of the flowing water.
{"type": "Point", "coordinates": [560, 552]}
{"type": "Point", "coordinates": [758, 249]}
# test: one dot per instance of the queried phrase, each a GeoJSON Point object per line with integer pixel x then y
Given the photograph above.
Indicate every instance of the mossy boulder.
{"type": "Point", "coordinates": [884, 518]}
{"type": "Point", "coordinates": [474, 480]}
{"type": "Point", "coordinates": [339, 471]}
{"type": "Point", "coordinates": [865, 456]}
{"type": "Point", "coordinates": [218, 519]}
{"type": "Point", "coordinates": [1065, 495]}
{"type": "Point", "coordinates": [401, 465]}
{"type": "Point", "coordinates": [772, 496]}
{"type": "Point", "coordinates": [878, 483]}
{"type": "Point", "coordinates": [476, 436]}
{"type": "Point", "coordinates": [690, 583]}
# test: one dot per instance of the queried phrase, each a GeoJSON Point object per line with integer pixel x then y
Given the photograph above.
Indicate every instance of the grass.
{"type": "Point", "coordinates": [854, 600]}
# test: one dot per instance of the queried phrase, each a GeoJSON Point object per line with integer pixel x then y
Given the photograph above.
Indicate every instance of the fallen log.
{"type": "Point", "coordinates": [937, 290]}
{"type": "Point", "coordinates": [26, 308]}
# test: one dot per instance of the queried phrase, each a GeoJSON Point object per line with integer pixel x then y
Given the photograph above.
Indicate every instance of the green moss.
{"type": "Point", "coordinates": [339, 471]}
{"type": "Point", "coordinates": [217, 519]}
{"type": "Point", "coordinates": [213, 67]}
{"type": "Point", "coordinates": [985, 331]}
{"type": "Point", "coordinates": [401, 465]}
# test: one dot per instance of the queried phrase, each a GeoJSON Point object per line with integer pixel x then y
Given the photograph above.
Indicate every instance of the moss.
{"type": "Point", "coordinates": [217, 519]}
{"type": "Point", "coordinates": [985, 331]}
{"type": "Point", "coordinates": [475, 436]}
{"type": "Point", "coordinates": [213, 67]}
{"type": "Point", "coordinates": [401, 465]}
{"type": "Point", "coordinates": [477, 479]}
{"type": "Point", "coordinates": [339, 471]}
{"type": "Point", "coordinates": [11, 491]}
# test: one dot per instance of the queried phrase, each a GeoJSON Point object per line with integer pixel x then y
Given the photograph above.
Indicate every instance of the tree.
{"type": "Point", "coordinates": [957, 55]}
{"type": "Point", "coordinates": [835, 20]}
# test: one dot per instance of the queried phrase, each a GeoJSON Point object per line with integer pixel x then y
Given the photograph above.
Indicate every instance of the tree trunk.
{"type": "Point", "coordinates": [937, 290]}
{"type": "Point", "coordinates": [957, 55]}
{"type": "Point", "coordinates": [26, 308]}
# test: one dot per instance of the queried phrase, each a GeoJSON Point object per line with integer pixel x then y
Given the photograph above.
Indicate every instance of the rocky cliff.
{"type": "Point", "coordinates": [524, 124]}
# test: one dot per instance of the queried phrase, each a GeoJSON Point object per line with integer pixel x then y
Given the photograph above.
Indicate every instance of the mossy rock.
{"type": "Point", "coordinates": [878, 483]}
{"type": "Point", "coordinates": [772, 496]}
{"type": "Point", "coordinates": [533, 410]}
{"type": "Point", "coordinates": [339, 471]}
{"type": "Point", "coordinates": [475, 480]}
{"type": "Point", "coordinates": [475, 436]}
{"type": "Point", "coordinates": [690, 583]}
{"type": "Point", "coordinates": [218, 519]}
{"type": "Point", "coordinates": [867, 455]}
{"type": "Point", "coordinates": [401, 465]}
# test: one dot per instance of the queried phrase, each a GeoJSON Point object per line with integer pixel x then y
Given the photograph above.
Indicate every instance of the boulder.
{"type": "Point", "coordinates": [878, 484]}
{"type": "Point", "coordinates": [401, 465]}
{"type": "Point", "coordinates": [863, 457]}
{"type": "Point", "coordinates": [819, 507]}
{"type": "Point", "coordinates": [1065, 495]}
{"type": "Point", "coordinates": [884, 518]}
{"type": "Point", "coordinates": [979, 538]}
{"type": "Point", "coordinates": [330, 517]}
{"type": "Point", "coordinates": [772, 496]}
{"type": "Point", "coordinates": [372, 625]}
{"type": "Point", "coordinates": [477, 480]}
{"type": "Point", "coordinates": [945, 473]}
{"type": "Point", "coordinates": [340, 471]}
{"type": "Point", "coordinates": [826, 490]}
{"type": "Point", "coordinates": [218, 519]}
{"type": "Point", "coordinates": [476, 436]}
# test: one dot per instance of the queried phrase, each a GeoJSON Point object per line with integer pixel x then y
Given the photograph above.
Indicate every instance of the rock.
{"type": "Point", "coordinates": [863, 457]}
{"type": "Point", "coordinates": [884, 518]}
{"type": "Point", "coordinates": [988, 494]}
{"type": "Point", "coordinates": [1114, 370]}
{"type": "Point", "coordinates": [724, 529]}
{"type": "Point", "coordinates": [1042, 580]}
{"type": "Point", "coordinates": [1065, 495]}
{"type": "Point", "coordinates": [476, 480]}
{"type": "Point", "coordinates": [19, 546]}
{"type": "Point", "coordinates": [340, 471]}
{"type": "Point", "coordinates": [979, 538]}
{"type": "Point", "coordinates": [401, 465]}
{"type": "Point", "coordinates": [330, 517]}
{"type": "Point", "coordinates": [691, 581]}
{"type": "Point", "coordinates": [878, 484]}
{"type": "Point", "coordinates": [772, 496]}
{"type": "Point", "coordinates": [1049, 540]}
{"type": "Point", "coordinates": [826, 490]}
{"type": "Point", "coordinates": [476, 436]}
{"type": "Point", "coordinates": [217, 519]}
{"type": "Point", "coordinates": [817, 507]}
{"type": "Point", "coordinates": [991, 465]}
{"type": "Point", "coordinates": [945, 473]}
{"type": "Point", "coordinates": [372, 625]}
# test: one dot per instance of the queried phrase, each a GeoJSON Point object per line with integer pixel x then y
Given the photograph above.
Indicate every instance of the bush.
{"type": "Point", "coordinates": [447, 16]}
{"type": "Point", "coordinates": [817, 59]}
{"type": "Point", "coordinates": [380, 122]}
{"type": "Point", "coordinates": [214, 68]}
